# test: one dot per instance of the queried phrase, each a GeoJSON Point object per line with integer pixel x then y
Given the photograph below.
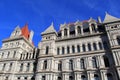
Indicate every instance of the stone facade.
{"type": "Point", "coordinates": [84, 50]}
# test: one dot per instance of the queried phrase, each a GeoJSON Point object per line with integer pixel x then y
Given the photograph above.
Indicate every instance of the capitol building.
{"type": "Point", "coordinates": [81, 50]}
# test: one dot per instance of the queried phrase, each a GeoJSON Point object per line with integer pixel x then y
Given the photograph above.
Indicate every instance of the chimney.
{"type": "Point", "coordinates": [99, 20]}
{"type": "Point", "coordinates": [31, 36]}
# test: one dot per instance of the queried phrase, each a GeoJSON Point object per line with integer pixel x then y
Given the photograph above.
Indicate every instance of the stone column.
{"type": "Point", "coordinates": [60, 51]}
{"type": "Point", "coordinates": [96, 28]}
{"type": "Point", "coordinates": [76, 32]}
{"type": "Point", "coordinates": [31, 67]}
{"type": "Point", "coordinates": [52, 65]}
{"type": "Point", "coordinates": [76, 76]}
{"type": "Point", "coordinates": [89, 75]}
{"type": "Point", "coordinates": [118, 57]}
{"type": "Point", "coordinates": [29, 78]}
{"type": "Point", "coordinates": [92, 46]}
{"type": "Point", "coordinates": [89, 62]}
{"type": "Point", "coordinates": [62, 33]}
{"type": "Point", "coordinates": [7, 67]}
{"type": "Point", "coordinates": [82, 33]}
{"type": "Point", "coordinates": [68, 32]}
{"type": "Point", "coordinates": [90, 28]}
{"type": "Point", "coordinates": [65, 49]}
{"type": "Point", "coordinates": [24, 66]}
{"type": "Point", "coordinates": [115, 58]}
{"type": "Point", "coordinates": [77, 64]}
{"type": "Point", "coordinates": [81, 49]}
{"type": "Point", "coordinates": [86, 62]}
{"type": "Point", "coordinates": [76, 49]}
{"type": "Point", "coordinates": [86, 47]}
{"type": "Point", "coordinates": [118, 72]}
{"type": "Point", "coordinates": [1, 65]}
{"type": "Point", "coordinates": [70, 49]}
{"type": "Point", "coordinates": [18, 67]}
{"type": "Point", "coordinates": [101, 61]}
{"type": "Point", "coordinates": [97, 45]}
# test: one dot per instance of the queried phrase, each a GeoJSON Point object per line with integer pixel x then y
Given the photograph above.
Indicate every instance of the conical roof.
{"type": "Point", "coordinates": [50, 29]}
{"type": "Point", "coordinates": [109, 18]}
{"type": "Point", "coordinates": [25, 31]}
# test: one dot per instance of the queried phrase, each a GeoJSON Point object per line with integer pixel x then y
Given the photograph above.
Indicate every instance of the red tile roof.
{"type": "Point", "coordinates": [25, 31]}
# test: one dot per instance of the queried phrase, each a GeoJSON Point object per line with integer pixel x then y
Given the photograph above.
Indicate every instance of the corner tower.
{"type": "Point", "coordinates": [46, 54]}
{"type": "Point", "coordinates": [17, 55]}
{"type": "Point", "coordinates": [112, 26]}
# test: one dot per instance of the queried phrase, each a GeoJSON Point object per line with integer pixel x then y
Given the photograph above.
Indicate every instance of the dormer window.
{"type": "Point", "coordinates": [65, 32]}
{"type": "Point", "coordinates": [93, 27]}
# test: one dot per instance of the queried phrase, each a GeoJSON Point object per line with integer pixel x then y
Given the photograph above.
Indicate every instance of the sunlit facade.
{"type": "Point", "coordinates": [83, 50]}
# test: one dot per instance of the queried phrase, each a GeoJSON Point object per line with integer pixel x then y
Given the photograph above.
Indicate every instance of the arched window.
{"type": "Point", "coordinates": [70, 77]}
{"type": "Point", "coordinates": [45, 65]}
{"type": "Point", "coordinates": [68, 49]}
{"type": "Point", "coordinates": [60, 66]}
{"type": "Point", "coordinates": [84, 49]}
{"type": "Point", "coordinates": [93, 27]}
{"type": "Point", "coordinates": [96, 77]}
{"type": "Point", "coordinates": [3, 66]}
{"type": "Point", "coordinates": [105, 45]}
{"type": "Point", "coordinates": [6, 78]}
{"type": "Point", "coordinates": [86, 27]}
{"type": "Point", "coordinates": [33, 78]}
{"type": "Point", "coordinates": [58, 51]}
{"type": "Point", "coordinates": [78, 48]}
{"type": "Point", "coordinates": [59, 78]}
{"type": "Point", "coordinates": [83, 77]}
{"type": "Point", "coordinates": [10, 67]}
{"type": "Point", "coordinates": [25, 78]}
{"type": "Point", "coordinates": [14, 54]}
{"type": "Point", "coordinates": [100, 45]}
{"type": "Point", "coordinates": [89, 47]}
{"type": "Point", "coordinates": [71, 64]}
{"type": "Point", "coordinates": [106, 61]}
{"type": "Point", "coordinates": [109, 76]}
{"type": "Point", "coordinates": [82, 63]}
{"type": "Point", "coordinates": [65, 32]}
{"type": "Point", "coordinates": [63, 50]}
{"type": "Point", "coordinates": [27, 56]}
{"type": "Point", "coordinates": [43, 78]}
{"type": "Point", "coordinates": [21, 67]}
{"type": "Point", "coordinates": [8, 54]}
{"type": "Point", "coordinates": [2, 54]}
{"type": "Point", "coordinates": [72, 30]}
{"type": "Point", "coordinates": [94, 63]}
{"type": "Point", "coordinates": [28, 66]}
{"type": "Point", "coordinates": [118, 40]}
{"type": "Point", "coordinates": [94, 46]}
{"type": "Point", "coordinates": [47, 50]}
{"type": "Point", "coordinates": [21, 57]}
{"type": "Point", "coordinates": [79, 30]}
{"type": "Point", "coordinates": [73, 49]}
{"type": "Point", "coordinates": [18, 78]}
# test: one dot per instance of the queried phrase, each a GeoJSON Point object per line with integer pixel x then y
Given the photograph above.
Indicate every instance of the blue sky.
{"type": "Point", "coordinates": [39, 14]}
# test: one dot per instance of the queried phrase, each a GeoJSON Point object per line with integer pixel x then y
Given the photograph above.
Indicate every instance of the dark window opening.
{"type": "Point", "coordinates": [106, 61]}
